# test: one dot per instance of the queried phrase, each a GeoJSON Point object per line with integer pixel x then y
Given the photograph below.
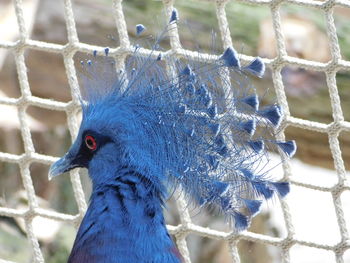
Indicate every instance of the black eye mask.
{"type": "Point", "coordinates": [92, 142]}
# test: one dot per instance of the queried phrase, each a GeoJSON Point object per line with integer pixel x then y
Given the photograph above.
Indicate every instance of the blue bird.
{"type": "Point", "coordinates": [145, 132]}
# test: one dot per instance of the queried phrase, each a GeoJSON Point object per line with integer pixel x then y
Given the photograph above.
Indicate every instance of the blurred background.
{"type": "Point", "coordinates": [252, 33]}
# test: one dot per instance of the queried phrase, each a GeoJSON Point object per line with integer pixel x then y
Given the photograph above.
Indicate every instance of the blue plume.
{"type": "Point", "coordinates": [174, 16]}
{"type": "Point", "coordinates": [184, 130]}
{"type": "Point", "coordinates": [106, 51]}
{"type": "Point", "coordinates": [252, 101]}
{"type": "Point", "coordinates": [249, 126]}
{"type": "Point", "coordinates": [263, 188]}
{"type": "Point", "coordinates": [230, 58]}
{"type": "Point", "coordinates": [241, 221]}
{"type": "Point", "coordinates": [257, 146]}
{"type": "Point", "coordinates": [288, 147]}
{"type": "Point", "coordinates": [252, 205]}
{"type": "Point", "coordinates": [282, 188]}
{"type": "Point", "coordinates": [256, 67]}
{"type": "Point", "coordinates": [272, 113]}
{"type": "Point", "coordinates": [140, 29]}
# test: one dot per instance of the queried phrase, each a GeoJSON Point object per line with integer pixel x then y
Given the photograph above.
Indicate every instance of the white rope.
{"type": "Point", "coordinates": [186, 226]}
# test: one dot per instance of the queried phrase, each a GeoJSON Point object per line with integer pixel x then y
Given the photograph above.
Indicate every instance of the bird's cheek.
{"type": "Point", "coordinates": [101, 169]}
{"type": "Point", "coordinates": [82, 160]}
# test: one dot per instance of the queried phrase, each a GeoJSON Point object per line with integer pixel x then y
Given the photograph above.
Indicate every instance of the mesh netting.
{"type": "Point", "coordinates": [186, 227]}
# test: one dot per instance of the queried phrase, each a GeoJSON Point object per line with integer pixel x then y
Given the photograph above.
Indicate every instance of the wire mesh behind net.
{"type": "Point", "coordinates": [181, 231]}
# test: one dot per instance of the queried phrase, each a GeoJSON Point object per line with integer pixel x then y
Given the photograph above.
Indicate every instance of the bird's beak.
{"type": "Point", "coordinates": [61, 166]}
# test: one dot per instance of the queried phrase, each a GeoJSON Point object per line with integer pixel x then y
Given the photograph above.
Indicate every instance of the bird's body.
{"type": "Point", "coordinates": [124, 223]}
{"type": "Point", "coordinates": [146, 132]}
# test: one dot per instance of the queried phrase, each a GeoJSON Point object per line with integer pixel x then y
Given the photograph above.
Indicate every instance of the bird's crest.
{"type": "Point", "coordinates": [185, 124]}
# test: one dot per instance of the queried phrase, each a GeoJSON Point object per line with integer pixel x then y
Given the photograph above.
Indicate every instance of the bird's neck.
{"type": "Point", "coordinates": [124, 223]}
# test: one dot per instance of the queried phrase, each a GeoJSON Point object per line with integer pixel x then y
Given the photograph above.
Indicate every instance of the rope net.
{"type": "Point", "coordinates": [186, 226]}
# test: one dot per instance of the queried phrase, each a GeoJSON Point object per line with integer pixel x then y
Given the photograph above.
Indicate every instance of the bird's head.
{"type": "Point", "coordinates": [96, 146]}
{"type": "Point", "coordinates": [116, 129]}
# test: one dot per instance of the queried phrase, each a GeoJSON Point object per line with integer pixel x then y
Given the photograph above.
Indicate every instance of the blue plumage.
{"type": "Point", "coordinates": [253, 205]}
{"type": "Point", "coordinates": [272, 113]}
{"type": "Point", "coordinates": [106, 50]}
{"type": "Point", "coordinates": [256, 67]}
{"type": "Point", "coordinates": [282, 188]}
{"type": "Point", "coordinates": [252, 100]}
{"type": "Point", "coordinates": [288, 148]}
{"type": "Point", "coordinates": [124, 222]}
{"type": "Point", "coordinates": [257, 146]}
{"type": "Point", "coordinates": [140, 29]}
{"type": "Point", "coordinates": [145, 132]}
{"type": "Point", "coordinates": [230, 58]}
{"type": "Point", "coordinates": [248, 126]}
{"type": "Point", "coordinates": [174, 16]}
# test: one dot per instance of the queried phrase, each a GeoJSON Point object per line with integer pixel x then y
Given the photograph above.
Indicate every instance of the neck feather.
{"type": "Point", "coordinates": [124, 223]}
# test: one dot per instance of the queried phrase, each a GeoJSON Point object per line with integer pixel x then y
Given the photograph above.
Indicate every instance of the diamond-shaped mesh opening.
{"type": "Point", "coordinates": [310, 25]}
{"type": "Point", "coordinates": [264, 87]}
{"type": "Point", "coordinates": [307, 93]}
{"type": "Point", "coordinates": [257, 21]}
{"type": "Point", "coordinates": [40, 76]}
{"type": "Point", "coordinates": [10, 139]}
{"type": "Point", "coordinates": [11, 184]}
{"type": "Point", "coordinates": [8, 76]}
{"type": "Point", "coordinates": [49, 135]}
{"type": "Point", "coordinates": [313, 148]}
{"type": "Point", "coordinates": [151, 15]}
{"type": "Point", "coordinates": [62, 198]}
{"type": "Point", "coordinates": [270, 221]}
{"type": "Point", "coordinates": [98, 25]}
{"type": "Point", "coordinates": [41, 184]}
{"type": "Point", "coordinates": [195, 33]}
{"type": "Point", "coordinates": [49, 24]}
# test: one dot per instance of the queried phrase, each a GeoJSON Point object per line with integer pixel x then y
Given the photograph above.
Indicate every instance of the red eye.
{"type": "Point", "coordinates": [90, 142]}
